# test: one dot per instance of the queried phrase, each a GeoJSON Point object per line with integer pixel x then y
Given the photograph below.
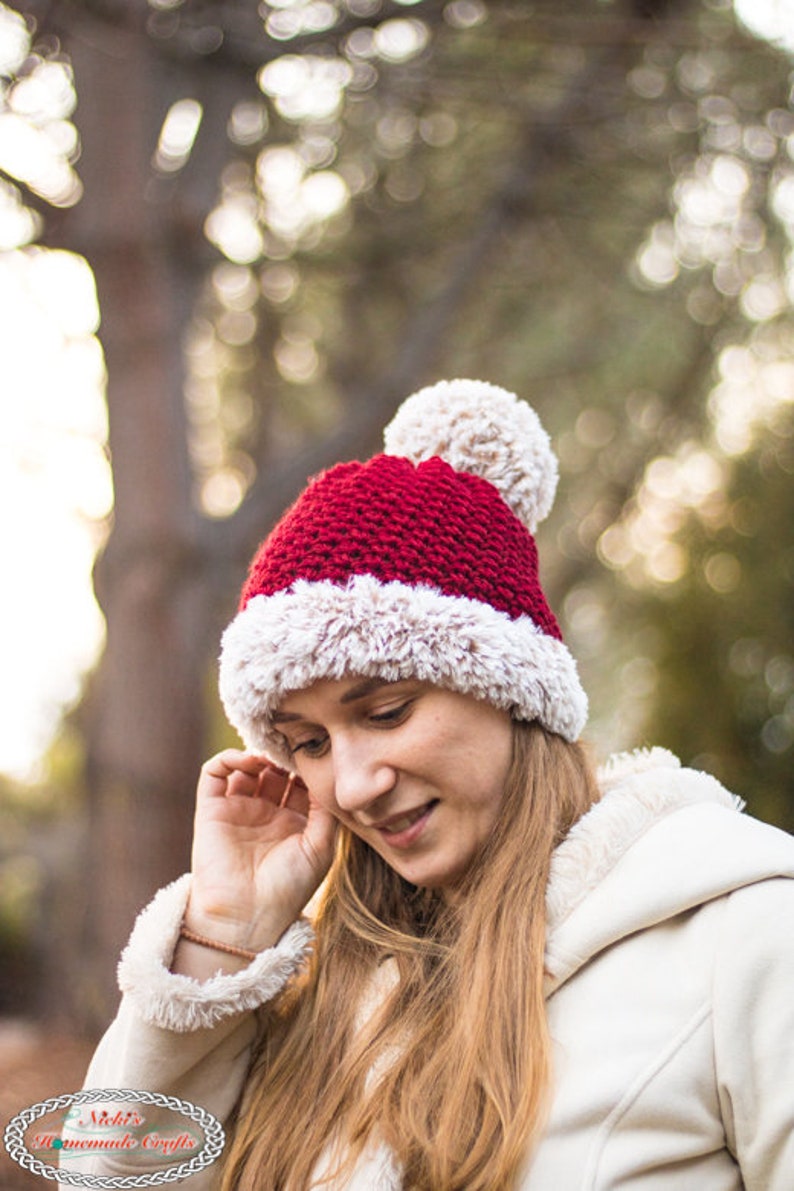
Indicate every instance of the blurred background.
{"type": "Point", "coordinates": [232, 238]}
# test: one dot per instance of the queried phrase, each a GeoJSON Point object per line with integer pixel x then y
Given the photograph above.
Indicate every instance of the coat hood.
{"type": "Point", "coordinates": [662, 840]}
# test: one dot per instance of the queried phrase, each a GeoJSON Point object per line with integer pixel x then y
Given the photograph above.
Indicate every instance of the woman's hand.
{"type": "Point", "coordinates": [261, 847]}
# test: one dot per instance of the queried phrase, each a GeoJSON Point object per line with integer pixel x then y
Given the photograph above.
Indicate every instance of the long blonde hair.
{"type": "Point", "coordinates": [452, 1068]}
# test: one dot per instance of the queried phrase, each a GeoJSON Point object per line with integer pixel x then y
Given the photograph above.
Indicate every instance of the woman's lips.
{"type": "Point", "coordinates": [403, 830]}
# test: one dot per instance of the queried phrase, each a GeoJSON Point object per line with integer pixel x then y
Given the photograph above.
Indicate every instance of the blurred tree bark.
{"type": "Point", "coordinates": [144, 719]}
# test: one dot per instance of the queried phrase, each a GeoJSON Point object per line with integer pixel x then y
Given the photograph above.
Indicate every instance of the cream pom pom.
{"type": "Point", "coordinates": [480, 428]}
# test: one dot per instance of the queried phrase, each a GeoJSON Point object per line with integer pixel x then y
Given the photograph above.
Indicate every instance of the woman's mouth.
{"type": "Point", "coordinates": [403, 830]}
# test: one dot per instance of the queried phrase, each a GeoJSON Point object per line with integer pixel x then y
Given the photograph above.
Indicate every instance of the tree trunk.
{"type": "Point", "coordinates": [144, 716]}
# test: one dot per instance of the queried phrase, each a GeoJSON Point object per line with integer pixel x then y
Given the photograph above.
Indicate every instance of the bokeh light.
{"type": "Point", "coordinates": [55, 493]}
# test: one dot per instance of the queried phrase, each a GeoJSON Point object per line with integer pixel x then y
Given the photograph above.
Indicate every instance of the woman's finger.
{"type": "Point", "coordinates": [243, 784]}
{"type": "Point", "coordinates": [279, 786]}
{"type": "Point", "coordinates": [232, 772]}
{"type": "Point", "coordinates": [295, 795]}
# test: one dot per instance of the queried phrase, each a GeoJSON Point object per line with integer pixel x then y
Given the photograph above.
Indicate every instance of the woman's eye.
{"type": "Point", "coordinates": [394, 715]}
{"type": "Point", "coordinates": [315, 747]}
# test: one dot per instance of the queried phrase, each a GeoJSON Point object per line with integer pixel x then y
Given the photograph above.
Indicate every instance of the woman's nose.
{"type": "Point", "coordinates": [361, 775]}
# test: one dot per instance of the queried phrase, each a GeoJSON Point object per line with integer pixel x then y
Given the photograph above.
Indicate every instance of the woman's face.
{"type": "Point", "coordinates": [416, 771]}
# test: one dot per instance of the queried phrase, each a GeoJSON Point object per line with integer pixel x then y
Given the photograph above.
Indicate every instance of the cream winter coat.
{"type": "Point", "coordinates": [670, 960]}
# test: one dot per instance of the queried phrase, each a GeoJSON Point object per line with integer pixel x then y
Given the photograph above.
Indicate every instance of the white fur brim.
{"type": "Point", "coordinates": [285, 642]}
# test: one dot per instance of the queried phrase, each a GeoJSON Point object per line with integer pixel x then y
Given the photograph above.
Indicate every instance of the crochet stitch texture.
{"type": "Point", "coordinates": [424, 524]}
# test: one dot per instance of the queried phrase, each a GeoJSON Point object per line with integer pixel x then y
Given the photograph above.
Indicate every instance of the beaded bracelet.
{"type": "Point", "coordinates": [215, 945]}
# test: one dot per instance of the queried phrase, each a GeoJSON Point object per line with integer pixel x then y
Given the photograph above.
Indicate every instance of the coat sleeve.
{"type": "Point", "coordinates": [182, 1037]}
{"type": "Point", "coordinates": [754, 1032]}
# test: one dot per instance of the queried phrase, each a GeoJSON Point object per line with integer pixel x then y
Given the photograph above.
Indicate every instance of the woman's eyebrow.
{"type": "Point", "coordinates": [363, 688]}
{"type": "Point", "coordinates": [281, 717]}
{"type": "Point", "coordinates": [359, 691]}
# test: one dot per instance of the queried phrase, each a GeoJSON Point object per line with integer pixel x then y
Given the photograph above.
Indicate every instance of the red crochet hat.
{"type": "Point", "coordinates": [418, 563]}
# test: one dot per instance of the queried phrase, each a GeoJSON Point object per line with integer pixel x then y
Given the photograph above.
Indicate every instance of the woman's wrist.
{"type": "Point", "coordinates": [202, 963]}
{"type": "Point", "coordinates": [215, 944]}
{"type": "Point", "coordinates": [210, 944]}
{"type": "Point", "coordinates": [253, 934]}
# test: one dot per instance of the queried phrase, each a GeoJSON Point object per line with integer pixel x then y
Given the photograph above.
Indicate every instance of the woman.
{"type": "Point", "coordinates": [518, 976]}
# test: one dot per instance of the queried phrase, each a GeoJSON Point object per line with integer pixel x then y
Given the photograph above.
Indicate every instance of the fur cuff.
{"type": "Point", "coordinates": [180, 1003]}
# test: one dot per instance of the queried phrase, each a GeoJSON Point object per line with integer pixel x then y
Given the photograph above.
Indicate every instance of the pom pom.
{"type": "Point", "coordinates": [480, 428]}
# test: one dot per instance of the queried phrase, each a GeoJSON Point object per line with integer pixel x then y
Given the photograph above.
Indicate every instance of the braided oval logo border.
{"type": "Point", "coordinates": [214, 1139]}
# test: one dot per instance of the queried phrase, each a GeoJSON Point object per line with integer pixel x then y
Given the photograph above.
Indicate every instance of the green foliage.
{"type": "Point", "coordinates": [726, 692]}
{"type": "Point", "coordinates": [37, 826]}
